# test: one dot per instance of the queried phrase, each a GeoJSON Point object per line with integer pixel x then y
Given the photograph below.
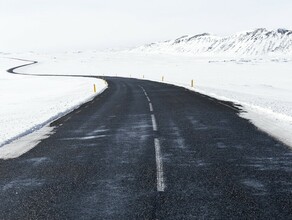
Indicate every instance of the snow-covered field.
{"type": "Point", "coordinates": [262, 86]}
{"type": "Point", "coordinates": [30, 102]}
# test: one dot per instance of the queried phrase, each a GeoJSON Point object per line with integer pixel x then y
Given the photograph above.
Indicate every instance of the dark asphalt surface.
{"type": "Point", "coordinates": [100, 163]}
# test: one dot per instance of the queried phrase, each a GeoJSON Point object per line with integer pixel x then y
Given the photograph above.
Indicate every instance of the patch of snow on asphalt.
{"type": "Point", "coordinates": [24, 144]}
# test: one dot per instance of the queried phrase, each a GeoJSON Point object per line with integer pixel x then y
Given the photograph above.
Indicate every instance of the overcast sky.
{"type": "Point", "coordinates": [99, 24]}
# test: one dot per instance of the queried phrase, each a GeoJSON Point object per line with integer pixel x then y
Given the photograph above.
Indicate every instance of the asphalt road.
{"type": "Point", "coordinates": [146, 150]}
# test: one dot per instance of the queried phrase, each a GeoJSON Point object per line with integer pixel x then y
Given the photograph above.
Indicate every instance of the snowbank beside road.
{"type": "Point", "coordinates": [262, 86]}
{"type": "Point", "coordinates": [30, 102]}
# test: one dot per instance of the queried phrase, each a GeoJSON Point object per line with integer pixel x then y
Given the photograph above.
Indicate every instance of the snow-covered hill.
{"type": "Point", "coordinates": [258, 42]}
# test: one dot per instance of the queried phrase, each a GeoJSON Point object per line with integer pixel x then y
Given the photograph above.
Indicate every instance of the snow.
{"type": "Point", "coordinates": [24, 144]}
{"type": "Point", "coordinates": [256, 42]}
{"type": "Point", "coordinates": [31, 102]}
{"type": "Point", "coordinates": [263, 86]}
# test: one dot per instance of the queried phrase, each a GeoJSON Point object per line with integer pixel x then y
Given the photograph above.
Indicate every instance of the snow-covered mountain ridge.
{"type": "Point", "coordinates": [257, 42]}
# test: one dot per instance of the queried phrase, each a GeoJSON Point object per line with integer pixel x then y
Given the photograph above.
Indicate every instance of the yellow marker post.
{"type": "Point", "coordinates": [143, 77]}
{"type": "Point", "coordinates": [94, 88]}
{"type": "Point", "coordinates": [192, 83]}
{"type": "Point", "coordinates": [162, 78]}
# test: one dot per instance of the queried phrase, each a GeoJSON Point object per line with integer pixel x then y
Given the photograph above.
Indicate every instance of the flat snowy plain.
{"type": "Point", "coordinates": [31, 102]}
{"type": "Point", "coordinates": [262, 86]}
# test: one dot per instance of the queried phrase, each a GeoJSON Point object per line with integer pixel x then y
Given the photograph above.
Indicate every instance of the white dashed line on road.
{"type": "Point", "coordinates": [150, 107]}
{"type": "Point", "coordinates": [159, 166]}
{"type": "Point", "coordinates": [147, 97]}
{"type": "Point", "coordinates": [158, 157]}
{"type": "Point", "coordinates": [154, 124]}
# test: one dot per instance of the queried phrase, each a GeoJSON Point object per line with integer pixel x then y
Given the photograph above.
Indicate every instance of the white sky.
{"type": "Point", "coordinates": [99, 24]}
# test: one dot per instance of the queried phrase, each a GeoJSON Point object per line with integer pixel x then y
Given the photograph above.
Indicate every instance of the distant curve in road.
{"type": "Point", "coordinates": [147, 150]}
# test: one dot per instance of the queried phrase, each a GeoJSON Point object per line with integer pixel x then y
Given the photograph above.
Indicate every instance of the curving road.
{"type": "Point", "coordinates": [146, 150]}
